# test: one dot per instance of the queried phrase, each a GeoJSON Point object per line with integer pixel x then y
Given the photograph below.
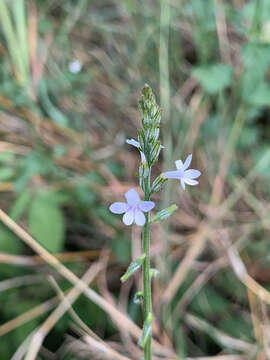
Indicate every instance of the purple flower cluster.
{"type": "Point", "coordinates": [134, 208]}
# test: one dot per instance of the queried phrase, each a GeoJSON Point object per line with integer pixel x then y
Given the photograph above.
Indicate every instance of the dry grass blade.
{"type": "Point", "coordinates": [256, 321]}
{"type": "Point", "coordinates": [241, 272]}
{"type": "Point", "coordinates": [20, 281]}
{"type": "Point", "coordinates": [37, 260]}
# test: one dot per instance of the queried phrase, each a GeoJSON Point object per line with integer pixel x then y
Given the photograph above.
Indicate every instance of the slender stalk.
{"type": "Point", "coordinates": [146, 274]}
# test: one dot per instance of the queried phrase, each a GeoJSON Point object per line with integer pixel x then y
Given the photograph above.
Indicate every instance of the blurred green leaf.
{"type": "Point", "coordinates": [85, 196]}
{"type": "Point", "coordinates": [20, 205]}
{"type": "Point", "coordinates": [6, 174]}
{"type": "Point", "coordinates": [249, 137]}
{"type": "Point", "coordinates": [256, 58]}
{"type": "Point", "coordinates": [46, 223]}
{"type": "Point", "coordinates": [6, 158]}
{"type": "Point", "coordinates": [213, 78]}
{"type": "Point", "coordinates": [261, 95]}
{"type": "Point", "coordinates": [35, 163]}
{"type": "Point", "coordinates": [116, 168]}
{"type": "Point", "coordinates": [238, 326]}
{"type": "Point", "coordinates": [104, 213]}
{"type": "Point", "coordinates": [95, 177]}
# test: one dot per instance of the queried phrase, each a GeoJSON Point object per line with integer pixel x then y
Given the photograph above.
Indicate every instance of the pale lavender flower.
{"type": "Point", "coordinates": [75, 66]}
{"type": "Point", "coordinates": [133, 209]}
{"type": "Point", "coordinates": [137, 145]}
{"type": "Point", "coordinates": [185, 176]}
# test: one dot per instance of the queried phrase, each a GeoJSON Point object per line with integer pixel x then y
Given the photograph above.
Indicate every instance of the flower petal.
{"type": "Point", "coordinates": [187, 161]}
{"type": "Point", "coordinates": [143, 158]}
{"type": "Point", "coordinates": [128, 218]}
{"type": "Point", "coordinates": [192, 174]}
{"type": "Point", "coordinates": [146, 205]}
{"type": "Point", "coordinates": [183, 184]}
{"type": "Point", "coordinates": [132, 197]}
{"type": "Point", "coordinates": [191, 182]}
{"type": "Point", "coordinates": [118, 207]}
{"type": "Point", "coordinates": [139, 218]}
{"type": "Point", "coordinates": [179, 164]}
{"type": "Point", "coordinates": [178, 174]}
{"type": "Point", "coordinates": [133, 142]}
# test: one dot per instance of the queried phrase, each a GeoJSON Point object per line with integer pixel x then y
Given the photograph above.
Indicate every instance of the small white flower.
{"type": "Point", "coordinates": [185, 176]}
{"type": "Point", "coordinates": [133, 209]}
{"type": "Point", "coordinates": [75, 66]}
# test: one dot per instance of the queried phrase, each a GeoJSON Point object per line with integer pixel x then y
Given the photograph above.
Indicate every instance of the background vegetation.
{"type": "Point", "coordinates": [63, 160]}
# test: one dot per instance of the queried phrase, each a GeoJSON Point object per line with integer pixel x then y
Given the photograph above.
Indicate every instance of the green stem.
{"type": "Point", "coordinates": [146, 276]}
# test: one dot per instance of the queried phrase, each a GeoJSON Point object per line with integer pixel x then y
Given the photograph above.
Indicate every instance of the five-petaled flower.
{"type": "Point", "coordinates": [136, 143]}
{"type": "Point", "coordinates": [133, 209]}
{"type": "Point", "coordinates": [185, 176]}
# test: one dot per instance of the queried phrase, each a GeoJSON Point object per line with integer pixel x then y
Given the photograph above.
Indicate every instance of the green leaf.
{"type": "Point", "coordinates": [213, 78]}
{"type": "Point", "coordinates": [147, 330]}
{"type": "Point", "coordinates": [163, 214]}
{"type": "Point", "coordinates": [34, 163]}
{"type": "Point", "coordinates": [85, 196]}
{"type": "Point", "coordinates": [261, 95]}
{"type": "Point", "coordinates": [46, 223]}
{"type": "Point", "coordinates": [9, 243]}
{"type": "Point", "coordinates": [6, 174]}
{"type": "Point", "coordinates": [133, 267]}
{"type": "Point", "coordinates": [256, 58]}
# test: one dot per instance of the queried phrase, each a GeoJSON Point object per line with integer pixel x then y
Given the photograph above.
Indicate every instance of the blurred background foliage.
{"type": "Point", "coordinates": [70, 79]}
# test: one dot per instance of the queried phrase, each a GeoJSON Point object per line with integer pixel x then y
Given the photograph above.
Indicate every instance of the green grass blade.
{"type": "Point", "coordinates": [21, 32]}
{"type": "Point", "coordinates": [12, 42]}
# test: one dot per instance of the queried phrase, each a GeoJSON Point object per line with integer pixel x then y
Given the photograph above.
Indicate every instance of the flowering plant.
{"type": "Point", "coordinates": [137, 211]}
